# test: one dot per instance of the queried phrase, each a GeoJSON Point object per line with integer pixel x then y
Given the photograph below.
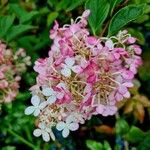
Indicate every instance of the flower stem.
{"type": "Point", "coordinates": [21, 139]}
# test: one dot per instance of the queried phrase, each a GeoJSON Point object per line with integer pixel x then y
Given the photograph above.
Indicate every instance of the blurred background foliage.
{"type": "Point", "coordinates": [26, 24]}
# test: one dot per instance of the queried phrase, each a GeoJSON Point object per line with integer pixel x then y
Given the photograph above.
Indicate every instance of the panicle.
{"type": "Point", "coordinates": [11, 67]}
{"type": "Point", "coordinates": [83, 75]}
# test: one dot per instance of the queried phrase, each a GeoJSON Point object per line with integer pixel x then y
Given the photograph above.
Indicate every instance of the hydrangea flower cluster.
{"type": "Point", "coordinates": [11, 66]}
{"type": "Point", "coordinates": [84, 75]}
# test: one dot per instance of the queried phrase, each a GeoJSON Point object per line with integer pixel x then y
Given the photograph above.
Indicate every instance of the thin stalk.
{"type": "Point", "coordinates": [21, 139]}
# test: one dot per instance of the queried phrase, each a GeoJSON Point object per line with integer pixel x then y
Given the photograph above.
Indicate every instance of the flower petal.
{"type": "Point", "coordinates": [60, 95]}
{"type": "Point", "coordinates": [66, 72]}
{"type": "Point", "coordinates": [37, 132]}
{"type": "Point", "coordinates": [36, 112]}
{"type": "Point", "coordinates": [48, 92]}
{"type": "Point", "coordinates": [29, 110]}
{"type": "Point", "coordinates": [76, 69]}
{"type": "Point", "coordinates": [73, 126]}
{"type": "Point", "coordinates": [52, 135]}
{"type": "Point", "coordinates": [35, 100]}
{"type": "Point", "coordinates": [65, 132]}
{"type": "Point", "coordinates": [42, 105]}
{"type": "Point", "coordinates": [69, 61]}
{"type": "Point", "coordinates": [45, 136]}
{"type": "Point", "coordinates": [60, 126]}
{"type": "Point", "coordinates": [70, 119]}
{"type": "Point", "coordinates": [51, 99]}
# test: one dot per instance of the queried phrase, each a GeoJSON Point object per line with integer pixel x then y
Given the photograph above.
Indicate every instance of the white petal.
{"type": "Point", "coordinates": [62, 85]}
{"type": "Point", "coordinates": [60, 126]}
{"type": "Point", "coordinates": [36, 112]}
{"type": "Point", "coordinates": [70, 119]}
{"type": "Point", "coordinates": [48, 92]}
{"type": "Point", "coordinates": [29, 110]}
{"type": "Point", "coordinates": [109, 44]}
{"type": "Point", "coordinates": [73, 126]}
{"type": "Point", "coordinates": [52, 135]}
{"type": "Point", "coordinates": [76, 69]}
{"type": "Point", "coordinates": [35, 100]}
{"type": "Point", "coordinates": [42, 125]}
{"type": "Point", "coordinates": [49, 130]}
{"type": "Point", "coordinates": [65, 132]}
{"type": "Point", "coordinates": [37, 132]}
{"type": "Point", "coordinates": [70, 61]}
{"type": "Point", "coordinates": [42, 105]}
{"type": "Point", "coordinates": [66, 72]}
{"type": "Point", "coordinates": [45, 136]}
{"type": "Point", "coordinates": [51, 99]}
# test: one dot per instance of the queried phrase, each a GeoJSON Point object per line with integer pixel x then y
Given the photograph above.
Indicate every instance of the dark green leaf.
{"type": "Point", "coordinates": [74, 4]}
{"type": "Point", "coordinates": [113, 4]}
{"type": "Point", "coordinates": [135, 135]}
{"type": "Point", "coordinates": [5, 23]}
{"type": "Point", "coordinates": [18, 30]}
{"type": "Point", "coordinates": [23, 15]}
{"type": "Point", "coordinates": [99, 12]}
{"type": "Point", "coordinates": [123, 17]}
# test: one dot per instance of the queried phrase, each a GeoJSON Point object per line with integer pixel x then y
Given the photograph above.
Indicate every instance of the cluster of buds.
{"type": "Point", "coordinates": [11, 67]}
{"type": "Point", "coordinates": [84, 75]}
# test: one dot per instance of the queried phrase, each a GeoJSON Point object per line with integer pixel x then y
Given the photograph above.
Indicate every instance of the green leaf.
{"type": "Point", "coordinates": [28, 16]}
{"type": "Point", "coordinates": [5, 23]}
{"type": "Point", "coordinates": [93, 145]}
{"type": "Point", "coordinates": [135, 135]}
{"type": "Point", "coordinates": [145, 144]}
{"type": "Point", "coordinates": [62, 5]}
{"type": "Point", "coordinates": [113, 4]}
{"type": "Point", "coordinates": [18, 30]}
{"type": "Point", "coordinates": [123, 17]}
{"type": "Point", "coordinates": [15, 8]}
{"type": "Point", "coordinates": [122, 126]}
{"type": "Point", "coordinates": [23, 15]}
{"type": "Point", "coordinates": [107, 146]}
{"type": "Point", "coordinates": [9, 148]}
{"type": "Point", "coordinates": [99, 12]}
{"type": "Point", "coordinates": [74, 4]}
{"type": "Point", "coordinates": [51, 17]}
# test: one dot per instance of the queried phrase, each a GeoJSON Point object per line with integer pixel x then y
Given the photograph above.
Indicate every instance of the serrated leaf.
{"type": "Point", "coordinates": [93, 145]}
{"type": "Point", "coordinates": [99, 12]}
{"type": "Point", "coordinates": [18, 30]}
{"type": "Point", "coordinates": [123, 17]}
{"type": "Point", "coordinates": [5, 23]}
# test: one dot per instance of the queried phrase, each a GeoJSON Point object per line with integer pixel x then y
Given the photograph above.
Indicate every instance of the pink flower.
{"type": "Point", "coordinates": [84, 75]}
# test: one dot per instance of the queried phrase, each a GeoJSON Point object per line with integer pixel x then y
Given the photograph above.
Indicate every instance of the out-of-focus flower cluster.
{"type": "Point", "coordinates": [11, 67]}
{"type": "Point", "coordinates": [84, 75]}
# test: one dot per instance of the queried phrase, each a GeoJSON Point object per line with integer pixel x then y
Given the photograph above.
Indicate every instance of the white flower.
{"type": "Point", "coordinates": [67, 126]}
{"type": "Point", "coordinates": [109, 43]}
{"type": "Point", "coordinates": [37, 106]}
{"type": "Point", "coordinates": [69, 66]}
{"type": "Point", "coordinates": [44, 131]}
{"type": "Point", "coordinates": [52, 95]}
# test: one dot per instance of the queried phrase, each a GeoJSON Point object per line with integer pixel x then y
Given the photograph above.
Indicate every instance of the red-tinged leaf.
{"type": "Point", "coordinates": [105, 129]}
